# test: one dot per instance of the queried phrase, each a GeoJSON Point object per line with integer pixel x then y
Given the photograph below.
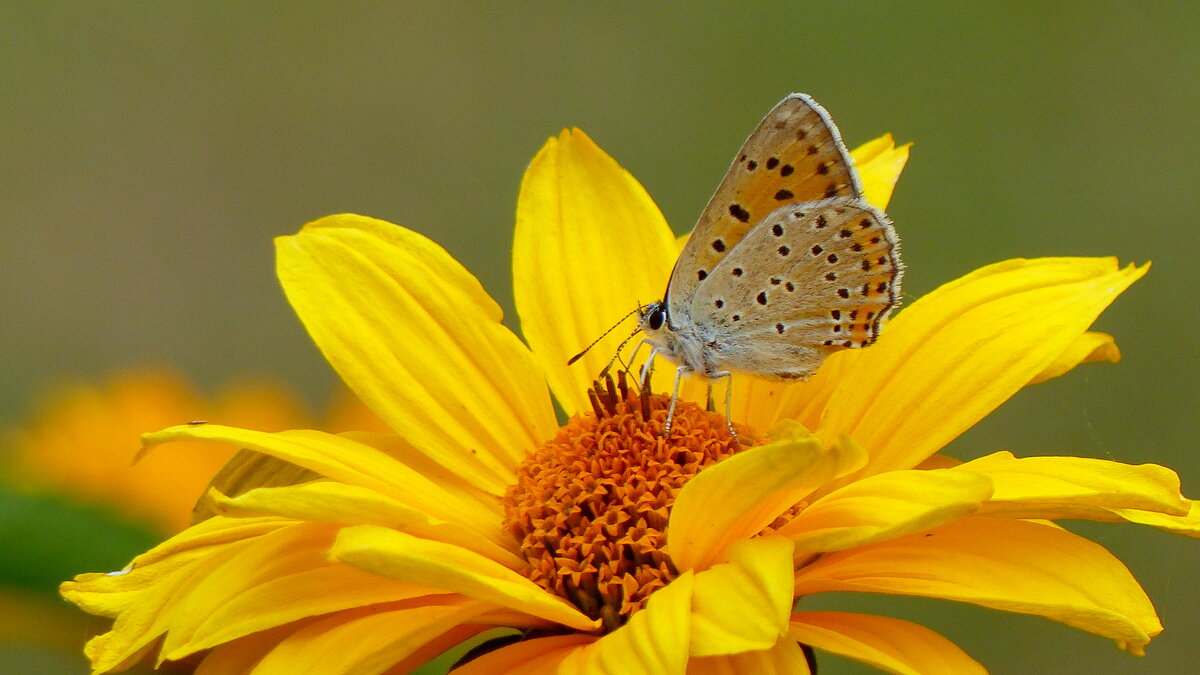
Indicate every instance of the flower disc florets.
{"type": "Point", "coordinates": [590, 507]}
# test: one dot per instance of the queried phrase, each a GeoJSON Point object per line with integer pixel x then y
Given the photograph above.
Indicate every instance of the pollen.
{"type": "Point", "coordinates": [590, 507]}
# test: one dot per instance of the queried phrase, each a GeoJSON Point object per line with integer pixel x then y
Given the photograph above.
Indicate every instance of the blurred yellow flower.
{"type": "Point", "coordinates": [609, 548]}
{"type": "Point", "coordinates": [82, 437]}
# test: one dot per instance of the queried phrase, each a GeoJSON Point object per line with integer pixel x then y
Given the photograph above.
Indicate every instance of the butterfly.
{"type": "Point", "coordinates": [787, 264]}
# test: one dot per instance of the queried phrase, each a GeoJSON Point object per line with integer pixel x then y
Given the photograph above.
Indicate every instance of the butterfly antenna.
{"type": "Point", "coordinates": [578, 356]}
{"type": "Point", "coordinates": [617, 356]}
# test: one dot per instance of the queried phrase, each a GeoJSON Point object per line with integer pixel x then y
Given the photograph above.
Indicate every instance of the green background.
{"type": "Point", "coordinates": [149, 152]}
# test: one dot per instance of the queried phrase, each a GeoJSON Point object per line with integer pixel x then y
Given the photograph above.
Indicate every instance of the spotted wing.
{"type": "Point", "coordinates": [809, 280]}
{"type": "Point", "coordinates": [795, 155]}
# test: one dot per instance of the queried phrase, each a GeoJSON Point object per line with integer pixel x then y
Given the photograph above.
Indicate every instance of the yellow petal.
{"type": "Point", "coordinates": [743, 605]}
{"type": "Point", "coordinates": [397, 555]}
{"type": "Point", "coordinates": [537, 656]}
{"type": "Point", "coordinates": [879, 163]}
{"type": "Point", "coordinates": [885, 506]}
{"type": "Point", "coordinates": [155, 611]}
{"type": "Point", "coordinates": [784, 658]}
{"type": "Point", "coordinates": [1187, 524]}
{"type": "Point", "coordinates": [296, 595]}
{"type": "Point", "coordinates": [714, 509]}
{"type": "Point", "coordinates": [1091, 347]}
{"type": "Point", "coordinates": [589, 245]}
{"type": "Point", "coordinates": [419, 341]}
{"type": "Point", "coordinates": [1011, 565]}
{"type": "Point", "coordinates": [958, 353]}
{"type": "Point", "coordinates": [348, 461]}
{"type": "Point", "coordinates": [1075, 487]}
{"type": "Point", "coordinates": [368, 640]}
{"type": "Point", "coordinates": [241, 655]}
{"type": "Point", "coordinates": [888, 644]}
{"type": "Point", "coordinates": [352, 505]}
{"type": "Point", "coordinates": [654, 640]}
{"type": "Point", "coordinates": [245, 471]}
{"type": "Point", "coordinates": [283, 577]}
{"type": "Point", "coordinates": [112, 593]}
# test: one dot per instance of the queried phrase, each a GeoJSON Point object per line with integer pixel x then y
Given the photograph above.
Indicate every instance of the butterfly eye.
{"type": "Point", "coordinates": [656, 317]}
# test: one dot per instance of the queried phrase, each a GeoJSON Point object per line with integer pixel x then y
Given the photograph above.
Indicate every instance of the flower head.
{"type": "Point", "coordinates": [81, 439]}
{"type": "Point", "coordinates": [608, 547]}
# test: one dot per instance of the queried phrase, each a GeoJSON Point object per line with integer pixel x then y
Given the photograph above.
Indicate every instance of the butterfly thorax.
{"type": "Point", "coordinates": [679, 340]}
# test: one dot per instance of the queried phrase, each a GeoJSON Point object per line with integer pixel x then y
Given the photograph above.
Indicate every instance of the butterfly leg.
{"type": "Point", "coordinates": [632, 358]}
{"type": "Point", "coordinates": [728, 400]}
{"type": "Point", "coordinates": [648, 366]}
{"type": "Point", "coordinates": [674, 399]}
{"type": "Point", "coordinates": [617, 356]}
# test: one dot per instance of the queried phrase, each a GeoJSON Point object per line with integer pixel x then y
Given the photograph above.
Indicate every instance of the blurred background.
{"type": "Point", "coordinates": [150, 152]}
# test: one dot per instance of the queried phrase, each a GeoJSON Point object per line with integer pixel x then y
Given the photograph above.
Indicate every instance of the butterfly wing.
{"type": "Point", "coordinates": [795, 155]}
{"type": "Point", "coordinates": [809, 280]}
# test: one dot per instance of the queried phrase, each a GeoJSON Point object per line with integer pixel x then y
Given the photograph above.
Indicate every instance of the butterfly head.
{"type": "Point", "coordinates": [652, 319]}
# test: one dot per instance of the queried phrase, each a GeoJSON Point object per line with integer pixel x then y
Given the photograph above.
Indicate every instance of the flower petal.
{"type": "Point", "coordinates": [883, 507]}
{"type": "Point", "coordinates": [149, 586]}
{"type": "Point", "coordinates": [343, 504]}
{"type": "Point", "coordinates": [538, 656]}
{"type": "Point", "coordinates": [397, 555]}
{"type": "Point", "coordinates": [786, 657]}
{"type": "Point", "coordinates": [888, 644]}
{"type": "Point", "coordinates": [367, 640]}
{"type": "Point", "coordinates": [283, 577]}
{"type": "Point", "coordinates": [348, 461]}
{"type": "Point", "coordinates": [959, 352]}
{"type": "Point", "coordinates": [1075, 487]}
{"type": "Point", "coordinates": [589, 245]}
{"type": "Point", "coordinates": [419, 341]}
{"type": "Point", "coordinates": [714, 509]}
{"type": "Point", "coordinates": [1188, 525]}
{"type": "Point", "coordinates": [110, 594]}
{"type": "Point", "coordinates": [743, 605]}
{"type": "Point", "coordinates": [654, 640]}
{"type": "Point", "coordinates": [1011, 565]}
{"type": "Point", "coordinates": [1091, 347]}
{"type": "Point", "coordinates": [879, 163]}
{"type": "Point", "coordinates": [241, 655]}
{"type": "Point", "coordinates": [245, 471]}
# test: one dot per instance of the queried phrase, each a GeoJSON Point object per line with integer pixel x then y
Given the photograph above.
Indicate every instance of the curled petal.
{"type": "Point", "coordinates": [1091, 347]}
{"type": "Point", "coordinates": [1187, 524]}
{"type": "Point", "coordinates": [885, 506]}
{"type": "Point", "coordinates": [538, 656]}
{"type": "Point", "coordinates": [367, 640]}
{"type": "Point", "coordinates": [715, 509]}
{"type": "Point", "coordinates": [1075, 487]}
{"type": "Point", "coordinates": [346, 460]}
{"type": "Point", "coordinates": [329, 501]}
{"type": "Point", "coordinates": [110, 594]}
{"type": "Point", "coordinates": [388, 553]}
{"type": "Point", "coordinates": [1005, 564]}
{"type": "Point", "coordinates": [743, 605]}
{"type": "Point", "coordinates": [888, 644]}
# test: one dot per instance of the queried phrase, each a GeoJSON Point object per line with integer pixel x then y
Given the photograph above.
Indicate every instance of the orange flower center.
{"type": "Point", "coordinates": [590, 507]}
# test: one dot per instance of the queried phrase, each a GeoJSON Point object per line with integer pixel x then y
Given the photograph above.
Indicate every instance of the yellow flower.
{"type": "Point", "coordinates": [82, 437]}
{"type": "Point", "coordinates": [609, 548]}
